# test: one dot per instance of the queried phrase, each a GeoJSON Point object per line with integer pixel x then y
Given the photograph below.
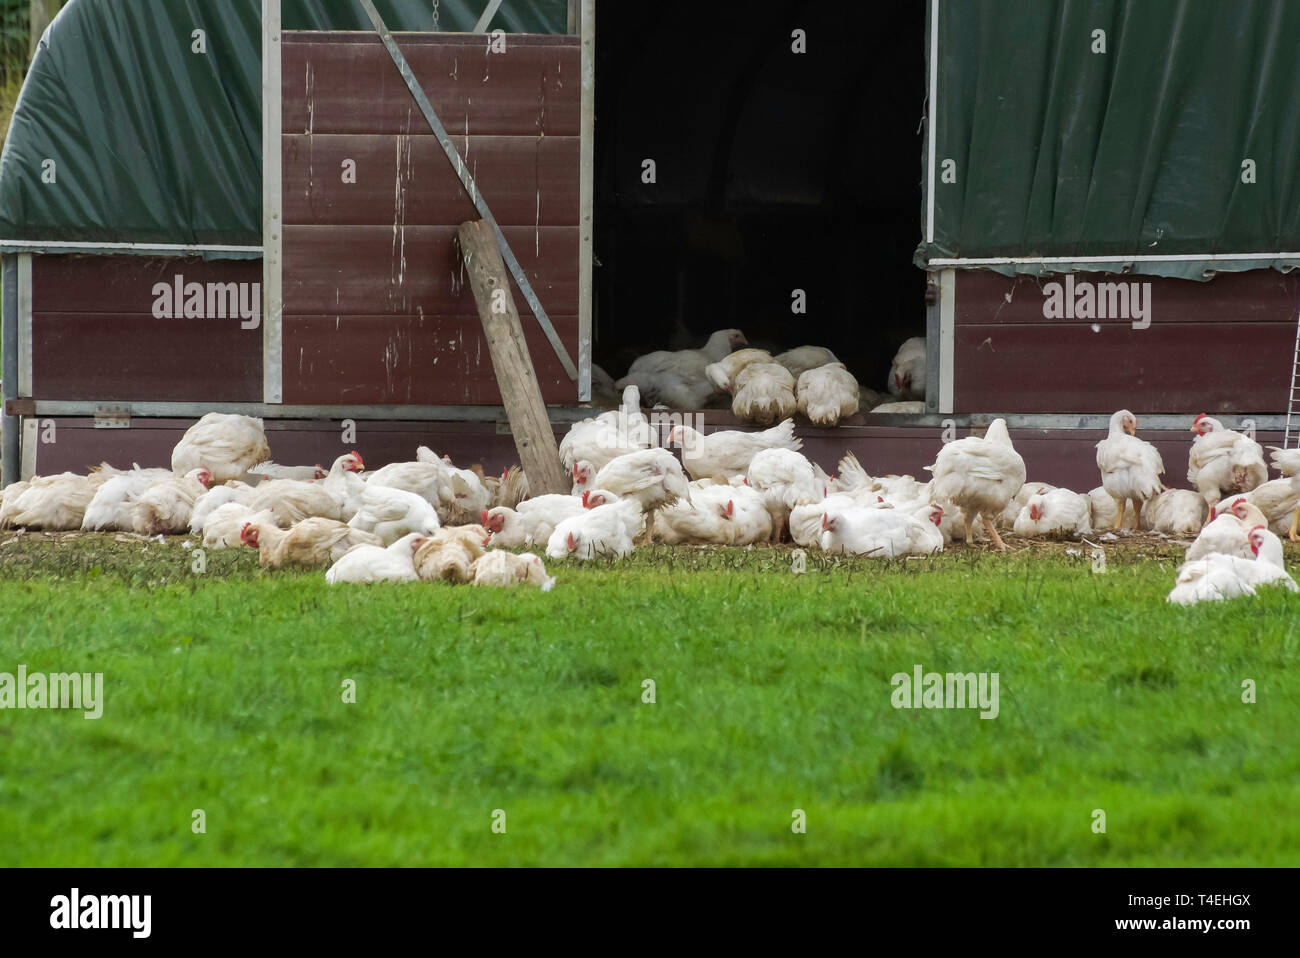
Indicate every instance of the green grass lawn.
{"type": "Point", "coordinates": [223, 692]}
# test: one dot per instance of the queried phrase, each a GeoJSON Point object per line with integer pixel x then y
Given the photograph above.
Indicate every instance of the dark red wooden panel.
{"type": "Point", "coordinates": [416, 270]}
{"type": "Point", "coordinates": [1237, 367]}
{"type": "Point", "coordinates": [984, 297]}
{"type": "Point", "coordinates": [349, 84]}
{"type": "Point", "coordinates": [123, 284]}
{"type": "Point", "coordinates": [120, 356]}
{"type": "Point", "coordinates": [434, 360]}
{"type": "Point", "coordinates": [526, 180]}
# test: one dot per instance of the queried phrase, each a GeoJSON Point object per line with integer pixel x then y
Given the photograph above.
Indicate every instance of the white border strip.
{"type": "Point", "coordinates": [44, 246]}
{"type": "Point", "coordinates": [1142, 258]}
{"type": "Point", "coordinates": [24, 325]}
{"type": "Point", "coordinates": [272, 206]}
{"type": "Point", "coordinates": [31, 438]}
{"type": "Point", "coordinates": [947, 324]}
{"type": "Point", "coordinates": [934, 92]}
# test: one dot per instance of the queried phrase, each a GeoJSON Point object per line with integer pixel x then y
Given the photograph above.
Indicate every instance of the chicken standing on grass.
{"type": "Point", "coordinates": [1130, 467]}
{"type": "Point", "coordinates": [980, 475]}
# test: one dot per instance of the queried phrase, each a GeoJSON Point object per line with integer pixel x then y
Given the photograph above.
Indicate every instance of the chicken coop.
{"type": "Point", "coordinates": [1105, 203]}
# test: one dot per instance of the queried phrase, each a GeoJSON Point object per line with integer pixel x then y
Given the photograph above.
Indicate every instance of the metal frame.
{"type": "Point", "coordinates": [488, 13]}
{"type": "Point", "coordinates": [10, 449]}
{"type": "Point", "coordinates": [24, 324]}
{"type": "Point", "coordinates": [139, 249]}
{"type": "Point", "coordinates": [947, 343]}
{"type": "Point", "coordinates": [586, 195]}
{"type": "Point", "coordinates": [193, 410]}
{"type": "Point", "coordinates": [272, 207]}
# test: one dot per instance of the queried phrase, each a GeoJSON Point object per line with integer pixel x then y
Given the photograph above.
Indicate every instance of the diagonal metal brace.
{"type": "Point", "coordinates": [462, 171]}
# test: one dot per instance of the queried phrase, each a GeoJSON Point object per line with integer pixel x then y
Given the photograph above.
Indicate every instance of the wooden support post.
{"type": "Point", "coordinates": [520, 392]}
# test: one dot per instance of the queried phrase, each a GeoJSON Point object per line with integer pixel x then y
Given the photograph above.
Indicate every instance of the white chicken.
{"type": "Point", "coordinates": [722, 515]}
{"type": "Point", "coordinates": [651, 477]}
{"type": "Point", "coordinates": [223, 527]}
{"type": "Point", "coordinates": [907, 372]}
{"type": "Point", "coordinates": [1217, 576]}
{"type": "Point", "coordinates": [1174, 512]}
{"type": "Point", "coordinates": [1059, 512]}
{"type": "Point", "coordinates": [292, 500]}
{"type": "Point", "coordinates": [1228, 533]}
{"type": "Point", "coordinates": [165, 507]}
{"type": "Point", "coordinates": [1130, 467]}
{"type": "Point", "coordinates": [728, 452]}
{"type": "Point", "coordinates": [677, 379]}
{"type": "Point", "coordinates": [313, 542]}
{"type": "Point", "coordinates": [764, 394]}
{"type": "Point", "coordinates": [531, 522]}
{"type": "Point", "coordinates": [52, 503]}
{"type": "Point", "coordinates": [428, 478]}
{"type": "Point", "coordinates": [880, 533]}
{"type": "Point", "coordinates": [506, 570]}
{"type": "Point", "coordinates": [606, 532]}
{"type": "Point", "coordinates": [273, 470]}
{"type": "Point", "coordinates": [1222, 462]}
{"type": "Point", "coordinates": [827, 394]}
{"type": "Point", "coordinates": [226, 445]}
{"type": "Point", "coordinates": [723, 373]}
{"type": "Point", "coordinates": [608, 435]}
{"type": "Point", "coordinates": [909, 408]}
{"type": "Point", "coordinates": [214, 499]}
{"type": "Point", "coordinates": [393, 514]}
{"type": "Point", "coordinates": [450, 553]}
{"type": "Point", "coordinates": [114, 500]}
{"type": "Point", "coordinates": [980, 475]}
{"type": "Point", "coordinates": [1104, 510]}
{"type": "Point", "coordinates": [1279, 500]}
{"type": "Point", "coordinates": [803, 358]}
{"type": "Point", "coordinates": [785, 479]}
{"type": "Point", "coordinates": [365, 564]}
{"type": "Point", "coordinates": [584, 477]}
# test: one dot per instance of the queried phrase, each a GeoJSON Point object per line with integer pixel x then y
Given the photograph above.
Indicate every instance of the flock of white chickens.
{"type": "Point", "coordinates": [764, 388]}
{"type": "Point", "coordinates": [429, 520]}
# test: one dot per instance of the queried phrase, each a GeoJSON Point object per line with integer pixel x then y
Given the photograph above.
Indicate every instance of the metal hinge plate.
{"type": "Point", "coordinates": [112, 417]}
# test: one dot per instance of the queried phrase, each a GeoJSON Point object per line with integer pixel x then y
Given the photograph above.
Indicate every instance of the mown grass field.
{"type": "Point", "coordinates": [223, 692]}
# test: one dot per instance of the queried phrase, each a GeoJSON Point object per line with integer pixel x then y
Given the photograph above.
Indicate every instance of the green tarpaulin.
{"type": "Point", "coordinates": [126, 133]}
{"type": "Point", "coordinates": [1082, 129]}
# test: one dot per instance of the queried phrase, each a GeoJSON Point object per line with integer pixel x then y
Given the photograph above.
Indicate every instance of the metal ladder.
{"type": "Point", "coordinates": [1293, 401]}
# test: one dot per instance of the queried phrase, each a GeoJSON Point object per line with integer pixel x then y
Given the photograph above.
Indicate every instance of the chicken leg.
{"type": "Point", "coordinates": [1119, 517]}
{"type": "Point", "coordinates": [965, 518]}
{"type": "Point", "coordinates": [1295, 520]}
{"type": "Point", "coordinates": [993, 534]}
{"type": "Point", "coordinates": [1137, 515]}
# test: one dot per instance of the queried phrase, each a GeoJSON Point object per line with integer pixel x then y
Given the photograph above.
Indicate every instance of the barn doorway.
{"type": "Point", "coordinates": [772, 171]}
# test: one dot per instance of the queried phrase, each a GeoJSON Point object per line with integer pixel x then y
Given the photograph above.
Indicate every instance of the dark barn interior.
{"type": "Point", "coordinates": [775, 171]}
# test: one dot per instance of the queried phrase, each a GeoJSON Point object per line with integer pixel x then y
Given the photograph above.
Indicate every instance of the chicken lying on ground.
{"type": "Point", "coordinates": [113, 504]}
{"type": "Point", "coordinates": [506, 570]}
{"type": "Point", "coordinates": [1228, 533]}
{"type": "Point", "coordinates": [1174, 512]}
{"type": "Point", "coordinates": [1222, 462]}
{"type": "Point", "coordinates": [1007, 517]}
{"type": "Point", "coordinates": [224, 526]}
{"type": "Point", "coordinates": [729, 452]}
{"type": "Point", "coordinates": [1130, 467]}
{"type": "Point", "coordinates": [214, 499]}
{"type": "Point", "coordinates": [311, 543]}
{"type": "Point", "coordinates": [880, 533]}
{"type": "Point", "coordinates": [292, 500]}
{"type": "Point", "coordinates": [718, 514]}
{"type": "Point", "coordinates": [606, 531]}
{"type": "Point", "coordinates": [370, 563]}
{"type": "Point", "coordinates": [1056, 513]}
{"type": "Point", "coordinates": [1279, 500]}
{"type": "Point", "coordinates": [677, 379]}
{"type": "Point", "coordinates": [227, 446]}
{"type": "Point", "coordinates": [828, 394]}
{"type": "Point", "coordinates": [531, 523]}
{"type": "Point", "coordinates": [907, 373]}
{"type": "Point", "coordinates": [1105, 512]}
{"type": "Point", "coordinates": [980, 475]}
{"type": "Point", "coordinates": [392, 514]}
{"type": "Point", "coordinates": [450, 553]}
{"type": "Point", "coordinates": [1217, 576]}
{"type": "Point", "coordinates": [165, 507]}
{"type": "Point", "coordinates": [273, 470]}
{"type": "Point", "coordinates": [51, 503]}
{"type": "Point", "coordinates": [764, 394]}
